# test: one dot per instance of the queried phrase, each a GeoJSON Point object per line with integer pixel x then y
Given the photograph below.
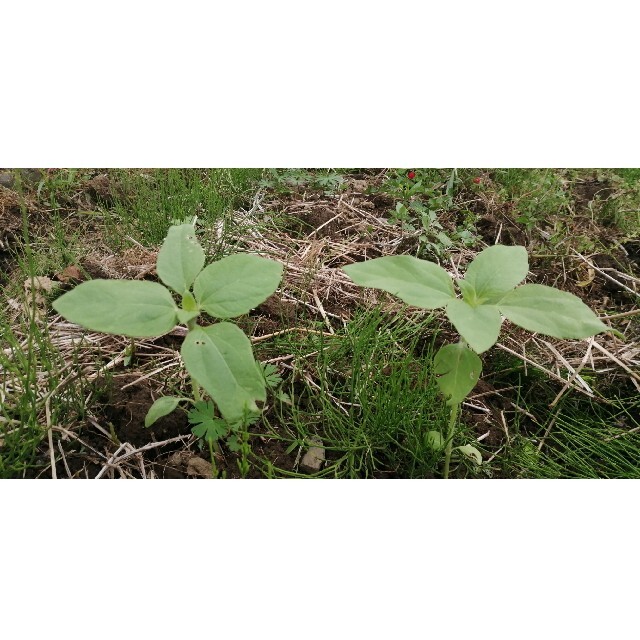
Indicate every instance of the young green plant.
{"type": "Point", "coordinates": [218, 357]}
{"type": "Point", "coordinates": [490, 292]}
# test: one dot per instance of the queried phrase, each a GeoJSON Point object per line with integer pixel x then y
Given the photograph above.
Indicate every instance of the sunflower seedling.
{"type": "Point", "coordinates": [490, 292]}
{"type": "Point", "coordinates": [218, 357]}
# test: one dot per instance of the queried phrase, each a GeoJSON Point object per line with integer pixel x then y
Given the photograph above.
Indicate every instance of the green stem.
{"type": "Point", "coordinates": [450, 433]}
{"type": "Point", "coordinates": [195, 387]}
{"type": "Point", "coordinates": [214, 466]}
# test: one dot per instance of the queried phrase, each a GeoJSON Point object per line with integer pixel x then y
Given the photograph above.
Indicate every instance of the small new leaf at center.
{"type": "Point", "coordinates": [180, 258]}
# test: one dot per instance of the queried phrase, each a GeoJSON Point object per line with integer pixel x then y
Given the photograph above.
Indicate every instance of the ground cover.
{"type": "Point", "coordinates": [353, 392]}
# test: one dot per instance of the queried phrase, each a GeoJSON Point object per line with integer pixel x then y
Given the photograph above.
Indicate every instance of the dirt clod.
{"type": "Point", "coordinates": [313, 460]}
{"type": "Point", "coordinates": [128, 407]}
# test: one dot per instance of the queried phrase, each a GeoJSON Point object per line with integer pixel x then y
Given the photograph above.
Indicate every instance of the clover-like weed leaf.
{"type": "Point", "coordinates": [555, 313]}
{"type": "Point", "coordinates": [180, 258]}
{"type": "Point", "coordinates": [236, 284]}
{"type": "Point", "coordinates": [416, 282]}
{"type": "Point", "coordinates": [205, 423]}
{"type": "Point", "coordinates": [458, 369]}
{"type": "Point", "coordinates": [161, 407]}
{"type": "Point", "coordinates": [138, 309]}
{"type": "Point", "coordinates": [479, 326]}
{"type": "Point", "coordinates": [220, 359]}
{"type": "Point", "coordinates": [495, 271]}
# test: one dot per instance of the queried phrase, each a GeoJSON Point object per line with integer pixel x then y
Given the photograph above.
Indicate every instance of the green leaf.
{"type": "Point", "coordinates": [206, 424]}
{"type": "Point", "coordinates": [471, 452]}
{"type": "Point", "coordinates": [271, 374]}
{"type": "Point", "coordinates": [556, 313]}
{"type": "Point", "coordinates": [468, 292]}
{"type": "Point", "coordinates": [138, 309]}
{"type": "Point", "coordinates": [185, 316]}
{"type": "Point", "coordinates": [189, 303]}
{"type": "Point", "coordinates": [497, 270]}
{"type": "Point", "coordinates": [236, 284]}
{"type": "Point", "coordinates": [435, 440]}
{"type": "Point", "coordinates": [458, 369]}
{"type": "Point", "coordinates": [479, 326]}
{"type": "Point", "coordinates": [451, 183]}
{"type": "Point", "coordinates": [160, 408]}
{"type": "Point", "coordinates": [220, 359]}
{"type": "Point", "coordinates": [234, 443]}
{"type": "Point", "coordinates": [189, 310]}
{"type": "Point", "coordinates": [416, 282]}
{"type": "Point", "coordinates": [180, 258]}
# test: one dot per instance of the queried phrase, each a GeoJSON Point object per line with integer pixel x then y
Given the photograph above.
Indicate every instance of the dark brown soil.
{"type": "Point", "coordinates": [10, 226]}
{"type": "Point", "coordinates": [587, 191]}
{"type": "Point", "coordinates": [498, 219]}
{"type": "Point", "coordinates": [127, 408]}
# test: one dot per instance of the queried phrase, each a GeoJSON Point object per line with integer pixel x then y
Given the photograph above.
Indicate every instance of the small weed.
{"type": "Point", "coordinates": [536, 194]}
{"type": "Point", "coordinates": [285, 181]}
{"type": "Point", "coordinates": [589, 439]}
{"type": "Point", "coordinates": [419, 207]}
{"type": "Point", "coordinates": [370, 394]}
{"type": "Point", "coordinates": [37, 389]}
{"type": "Point", "coordinates": [145, 202]}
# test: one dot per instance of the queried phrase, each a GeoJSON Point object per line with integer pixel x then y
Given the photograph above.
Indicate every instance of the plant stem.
{"type": "Point", "coordinates": [195, 387]}
{"type": "Point", "coordinates": [214, 467]}
{"type": "Point", "coordinates": [450, 433]}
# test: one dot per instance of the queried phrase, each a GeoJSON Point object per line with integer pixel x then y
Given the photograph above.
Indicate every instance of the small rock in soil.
{"type": "Point", "coordinates": [69, 274]}
{"type": "Point", "coordinates": [32, 176]}
{"type": "Point", "coordinates": [7, 180]}
{"type": "Point", "coordinates": [199, 467]}
{"type": "Point", "coordinates": [313, 460]}
{"type": "Point", "coordinates": [100, 187]}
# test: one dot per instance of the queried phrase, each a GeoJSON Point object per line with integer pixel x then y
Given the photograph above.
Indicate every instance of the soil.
{"type": "Point", "coordinates": [124, 405]}
{"type": "Point", "coordinates": [589, 190]}
{"type": "Point", "coordinates": [126, 410]}
{"type": "Point", "coordinates": [10, 225]}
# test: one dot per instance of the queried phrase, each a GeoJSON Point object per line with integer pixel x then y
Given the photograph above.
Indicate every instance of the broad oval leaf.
{"type": "Point", "coordinates": [479, 326]}
{"type": "Point", "coordinates": [458, 369]}
{"type": "Point", "coordinates": [160, 408]}
{"type": "Point", "coordinates": [546, 310]}
{"type": "Point", "coordinates": [180, 258]}
{"type": "Point", "coordinates": [236, 284]}
{"type": "Point", "coordinates": [138, 309]}
{"type": "Point", "coordinates": [497, 270]}
{"type": "Point", "coordinates": [435, 440]}
{"type": "Point", "coordinates": [417, 282]}
{"type": "Point", "coordinates": [220, 359]}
